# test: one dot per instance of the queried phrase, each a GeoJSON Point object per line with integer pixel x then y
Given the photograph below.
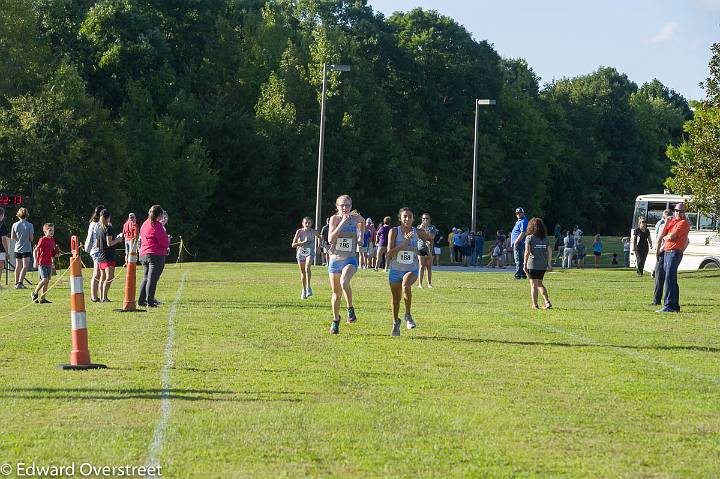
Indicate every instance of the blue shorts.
{"type": "Point", "coordinates": [397, 276]}
{"type": "Point", "coordinates": [336, 266]}
{"type": "Point", "coordinates": [45, 271]}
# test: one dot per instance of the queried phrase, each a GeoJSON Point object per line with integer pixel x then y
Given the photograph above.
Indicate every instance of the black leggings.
{"type": "Point", "coordinates": [640, 257]}
{"type": "Point", "coordinates": [153, 265]}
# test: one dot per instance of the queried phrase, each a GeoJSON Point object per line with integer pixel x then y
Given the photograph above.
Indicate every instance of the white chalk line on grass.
{"type": "Point", "coordinates": [625, 351]}
{"type": "Point", "coordinates": [159, 435]}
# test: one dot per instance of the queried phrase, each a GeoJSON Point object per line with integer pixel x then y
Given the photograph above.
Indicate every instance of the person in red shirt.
{"type": "Point", "coordinates": [128, 231]}
{"type": "Point", "coordinates": [44, 252]}
{"type": "Point", "coordinates": [674, 242]}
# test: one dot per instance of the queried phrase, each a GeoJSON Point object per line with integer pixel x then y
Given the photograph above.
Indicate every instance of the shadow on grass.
{"type": "Point", "coordinates": [70, 394]}
{"type": "Point", "coordinates": [704, 349]}
{"type": "Point", "coordinates": [245, 304]}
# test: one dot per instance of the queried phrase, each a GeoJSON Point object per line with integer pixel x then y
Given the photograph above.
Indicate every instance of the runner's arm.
{"type": "Point", "coordinates": [391, 252]}
{"type": "Point", "coordinates": [334, 228]}
{"type": "Point", "coordinates": [296, 240]}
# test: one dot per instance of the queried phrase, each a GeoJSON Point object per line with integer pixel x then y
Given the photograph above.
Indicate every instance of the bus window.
{"type": "Point", "coordinates": [640, 210]}
{"type": "Point", "coordinates": [708, 223]}
{"type": "Point", "coordinates": [654, 213]}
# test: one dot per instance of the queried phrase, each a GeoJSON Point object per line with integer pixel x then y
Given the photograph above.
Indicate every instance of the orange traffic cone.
{"type": "Point", "coordinates": [80, 354]}
{"type": "Point", "coordinates": [129, 305]}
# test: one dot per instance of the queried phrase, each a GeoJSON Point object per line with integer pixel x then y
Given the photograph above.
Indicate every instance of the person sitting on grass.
{"type": "Point", "coordinates": [43, 255]}
{"type": "Point", "coordinates": [537, 259]}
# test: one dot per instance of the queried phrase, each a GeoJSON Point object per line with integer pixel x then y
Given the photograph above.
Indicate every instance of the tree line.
{"type": "Point", "coordinates": [211, 109]}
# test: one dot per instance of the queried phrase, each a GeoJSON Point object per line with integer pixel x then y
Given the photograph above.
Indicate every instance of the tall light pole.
{"type": "Point", "coordinates": [321, 149]}
{"type": "Point", "coordinates": [473, 219]}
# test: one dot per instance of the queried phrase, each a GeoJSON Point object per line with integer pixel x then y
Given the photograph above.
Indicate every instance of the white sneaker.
{"type": "Point", "coordinates": [420, 285]}
{"type": "Point", "coordinates": [429, 285]}
{"type": "Point", "coordinates": [396, 328]}
{"type": "Point", "coordinates": [308, 293]}
{"type": "Point", "coordinates": [410, 323]}
{"type": "Point", "coordinates": [303, 294]}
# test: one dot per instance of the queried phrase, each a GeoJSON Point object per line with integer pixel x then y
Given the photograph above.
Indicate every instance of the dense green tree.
{"type": "Point", "coordinates": [61, 146]}
{"type": "Point", "coordinates": [696, 162]}
{"type": "Point", "coordinates": [211, 108]}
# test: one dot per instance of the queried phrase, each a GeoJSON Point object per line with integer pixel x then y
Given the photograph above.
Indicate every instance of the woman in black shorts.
{"type": "Point", "coordinates": [537, 260]}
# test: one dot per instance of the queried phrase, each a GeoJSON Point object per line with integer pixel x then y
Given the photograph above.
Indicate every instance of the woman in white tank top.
{"type": "Point", "coordinates": [305, 242]}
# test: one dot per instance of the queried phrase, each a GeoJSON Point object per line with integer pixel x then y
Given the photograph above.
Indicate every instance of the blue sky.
{"type": "Point", "coordinates": [665, 39]}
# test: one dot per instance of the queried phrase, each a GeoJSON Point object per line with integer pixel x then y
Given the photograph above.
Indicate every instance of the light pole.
{"type": "Point", "coordinates": [478, 104]}
{"type": "Point", "coordinates": [321, 149]}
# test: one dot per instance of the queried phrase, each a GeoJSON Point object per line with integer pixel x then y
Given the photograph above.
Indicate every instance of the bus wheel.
{"type": "Point", "coordinates": [710, 264]}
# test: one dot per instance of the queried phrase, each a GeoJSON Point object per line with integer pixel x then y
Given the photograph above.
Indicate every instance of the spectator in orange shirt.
{"type": "Point", "coordinates": [675, 241]}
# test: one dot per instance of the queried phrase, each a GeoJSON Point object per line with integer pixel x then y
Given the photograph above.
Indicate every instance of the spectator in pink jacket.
{"type": "Point", "coordinates": [154, 242]}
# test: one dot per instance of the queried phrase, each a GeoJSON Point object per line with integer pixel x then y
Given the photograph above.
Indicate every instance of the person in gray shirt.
{"type": "Point", "coordinates": [22, 233]}
{"type": "Point", "coordinates": [537, 260]}
{"type": "Point", "coordinates": [426, 250]}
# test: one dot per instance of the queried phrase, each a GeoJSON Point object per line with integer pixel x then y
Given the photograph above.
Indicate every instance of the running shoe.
{"type": "Point", "coordinates": [45, 301]}
{"type": "Point", "coordinates": [430, 285]}
{"type": "Point", "coordinates": [396, 327]}
{"type": "Point", "coordinates": [420, 285]}
{"type": "Point", "coordinates": [21, 286]}
{"type": "Point", "coordinates": [308, 293]}
{"type": "Point", "coordinates": [303, 294]}
{"type": "Point", "coordinates": [335, 327]}
{"type": "Point", "coordinates": [410, 322]}
{"type": "Point", "coordinates": [351, 315]}
{"type": "Point", "coordinates": [34, 297]}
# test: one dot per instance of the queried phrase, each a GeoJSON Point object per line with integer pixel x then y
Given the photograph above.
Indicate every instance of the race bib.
{"type": "Point", "coordinates": [344, 245]}
{"type": "Point", "coordinates": [405, 257]}
{"type": "Point", "coordinates": [304, 251]}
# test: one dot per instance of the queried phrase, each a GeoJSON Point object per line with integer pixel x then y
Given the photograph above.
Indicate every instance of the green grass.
{"type": "Point", "coordinates": [598, 387]}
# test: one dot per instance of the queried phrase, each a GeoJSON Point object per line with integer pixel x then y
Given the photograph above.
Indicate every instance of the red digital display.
{"type": "Point", "coordinates": [12, 200]}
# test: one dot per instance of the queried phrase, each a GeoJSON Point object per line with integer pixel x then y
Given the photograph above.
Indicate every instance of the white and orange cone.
{"type": "Point", "coordinates": [129, 305]}
{"type": "Point", "coordinates": [80, 354]}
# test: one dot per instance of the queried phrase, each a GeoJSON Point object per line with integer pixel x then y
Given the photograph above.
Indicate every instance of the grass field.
{"type": "Point", "coordinates": [598, 387]}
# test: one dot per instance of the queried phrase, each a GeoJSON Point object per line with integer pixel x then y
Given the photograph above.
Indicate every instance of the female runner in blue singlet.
{"type": "Point", "coordinates": [404, 265]}
{"type": "Point", "coordinates": [345, 231]}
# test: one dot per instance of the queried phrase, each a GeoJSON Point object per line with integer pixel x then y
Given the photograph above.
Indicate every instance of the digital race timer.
{"type": "Point", "coordinates": [12, 200]}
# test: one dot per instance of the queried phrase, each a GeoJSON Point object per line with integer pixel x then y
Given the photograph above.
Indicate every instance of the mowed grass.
{"type": "Point", "coordinates": [600, 386]}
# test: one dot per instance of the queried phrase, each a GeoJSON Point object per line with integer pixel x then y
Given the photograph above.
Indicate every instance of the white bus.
{"type": "Point", "coordinates": [703, 252]}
